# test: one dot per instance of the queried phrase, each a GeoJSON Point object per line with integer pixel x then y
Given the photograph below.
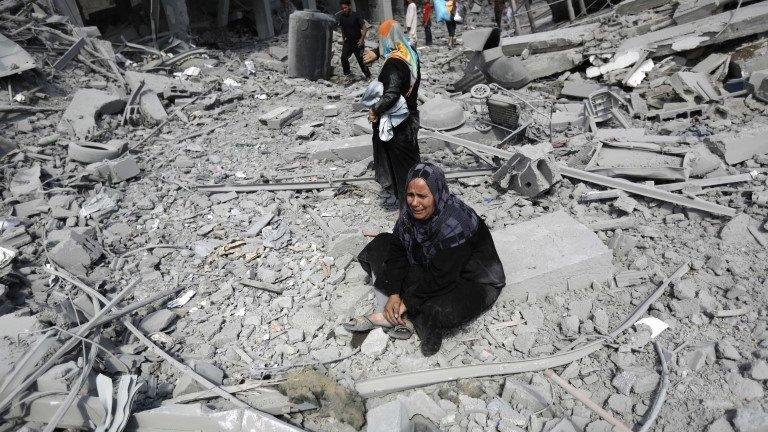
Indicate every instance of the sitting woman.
{"type": "Point", "coordinates": [438, 269]}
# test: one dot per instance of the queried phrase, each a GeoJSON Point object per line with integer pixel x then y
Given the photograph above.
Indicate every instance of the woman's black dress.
{"type": "Point", "coordinates": [395, 157]}
{"type": "Point", "coordinates": [455, 286]}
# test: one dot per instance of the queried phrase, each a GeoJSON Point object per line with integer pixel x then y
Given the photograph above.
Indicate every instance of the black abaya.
{"type": "Point", "coordinates": [392, 159]}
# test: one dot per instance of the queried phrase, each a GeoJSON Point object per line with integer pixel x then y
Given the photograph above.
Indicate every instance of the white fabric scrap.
{"type": "Point", "coordinates": [657, 326]}
{"type": "Point", "coordinates": [389, 119]}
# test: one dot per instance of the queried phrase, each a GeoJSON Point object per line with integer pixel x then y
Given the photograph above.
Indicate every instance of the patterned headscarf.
{"type": "Point", "coordinates": [393, 43]}
{"type": "Point", "coordinates": [452, 223]}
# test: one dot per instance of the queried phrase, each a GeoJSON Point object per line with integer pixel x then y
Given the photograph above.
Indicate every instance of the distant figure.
{"type": "Point", "coordinates": [426, 21]}
{"type": "Point", "coordinates": [498, 11]}
{"type": "Point", "coordinates": [509, 15]}
{"type": "Point", "coordinates": [353, 32]}
{"type": "Point", "coordinates": [411, 21]}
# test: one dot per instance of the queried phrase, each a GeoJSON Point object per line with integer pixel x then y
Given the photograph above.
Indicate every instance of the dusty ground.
{"type": "Point", "coordinates": [717, 365]}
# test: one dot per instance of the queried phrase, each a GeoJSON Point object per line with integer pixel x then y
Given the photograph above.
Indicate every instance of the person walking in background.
{"type": "Point", "coordinates": [353, 32]}
{"type": "Point", "coordinates": [450, 24]}
{"type": "Point", "coordinates": [426, 21]}
{"type": "Point", "coordinates": [411, 22]}
{"type": "Point", "coordinates": [498, 11]}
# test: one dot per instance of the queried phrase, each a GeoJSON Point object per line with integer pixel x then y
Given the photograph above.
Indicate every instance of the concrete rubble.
{"type": "Point", "coordinates": [187, 185]}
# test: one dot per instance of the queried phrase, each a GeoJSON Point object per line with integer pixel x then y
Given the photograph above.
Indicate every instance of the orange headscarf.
{"type": "Point", "coordinates": [392, 43]}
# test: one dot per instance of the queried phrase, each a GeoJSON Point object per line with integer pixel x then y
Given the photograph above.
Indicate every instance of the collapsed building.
{"type": "Point", "coordinates": [181, 219]}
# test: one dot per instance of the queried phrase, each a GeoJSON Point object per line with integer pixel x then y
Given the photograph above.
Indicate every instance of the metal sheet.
{"type": "Point", "coordinates": [13, 58]}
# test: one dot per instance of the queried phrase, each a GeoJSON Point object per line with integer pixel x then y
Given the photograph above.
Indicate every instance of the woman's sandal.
{"type": "Point", "coordinates": [360, 323]}
{"type": "Point", "coordinates": [401, 331]}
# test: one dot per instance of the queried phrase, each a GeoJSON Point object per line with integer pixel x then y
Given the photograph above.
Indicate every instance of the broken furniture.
{"type": "Point", "coordinates": [503, 111]}
{"type": "Point", "coordinates": [528, 172]}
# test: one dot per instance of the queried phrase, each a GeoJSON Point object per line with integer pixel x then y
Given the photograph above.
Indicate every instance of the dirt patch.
{"type": "Point", "coordinates": [334, 400]}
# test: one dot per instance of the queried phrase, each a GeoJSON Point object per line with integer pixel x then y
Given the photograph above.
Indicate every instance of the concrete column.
{"type": "Point", "coordinates": [222, 16]}
{"type": "Point", "coordinates": [262, 16]}
{"type": "Point", "coordinates": [177, 16]}
{"type": "Point", "coordinates": [383, 11]}
{"type": "Point", "coordinates": [583, 7]}
{"type": "Point", "coordinates": [398, 7]}
{"type": "Point", "coordinates": [515, 22]}
{"type": "Point", "coordinates": [309, 4]}
{"type": "Point", "coordinates": [530, 15]}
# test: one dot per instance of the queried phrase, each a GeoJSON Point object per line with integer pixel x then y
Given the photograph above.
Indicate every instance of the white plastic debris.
{"type": "Point", "coordinates": [182, 299]}
{"type": "Point", "coordinates": [250, 67]}
{"type": "Point", "coordinates": [640, 73]}
{"type": "Point", "coordinates": [20, 98]}
{"type": "Point", "coordinates": [192, 71]}
{"type": "Point", "coordinates": [6, 256]}
{"type": "Point", "coordinates": [657, 326]}
{"type": "Point", "coordinates": [230, 83]}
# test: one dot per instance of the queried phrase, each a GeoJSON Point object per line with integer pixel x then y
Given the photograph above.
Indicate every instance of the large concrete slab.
{"type": "Point", "coordinates": [726, 26]}
{"type": "Point", "coordinates": [349, 149]}
{"type": "Point", "coordinates": [13, 58]}
{"type": "Point", "coordinates": [546, 64]}
{"type": "Point", "coordinates": [554, 40]}
{"type": "Point", "coordinates": [738, 147]}
{"type": "Point", "coordinates": [549, 254]}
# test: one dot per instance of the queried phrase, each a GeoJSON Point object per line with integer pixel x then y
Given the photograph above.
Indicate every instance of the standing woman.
{"type": "Point", "coordinates": [426, 21]}
{"type": "Point", "coordinates": [400, 75]}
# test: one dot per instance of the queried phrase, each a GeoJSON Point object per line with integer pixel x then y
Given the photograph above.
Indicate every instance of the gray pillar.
{"type": "Point", "coordinates": [309, 4]}
{"type": "Point", "coordinates": [382, 11]}
{"type": "Point", "coordinates": [262, 16]}
{"type": "Point", "coordinates": [222, 18]}
{"type": "Point", "coordinates": [571, 13]}
{"type": "Point", "coordinates": [178, 17]}
{"type": "Point", "coordinates": [398, 7]}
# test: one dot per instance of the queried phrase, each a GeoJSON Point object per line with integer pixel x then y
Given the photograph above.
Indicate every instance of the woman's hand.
{"type": "Point", "coordinates": [394, 310]}
{"type": "Point", "coordinates": [369, 57]}
{"type": "Point", "coordinates": [372, 117]}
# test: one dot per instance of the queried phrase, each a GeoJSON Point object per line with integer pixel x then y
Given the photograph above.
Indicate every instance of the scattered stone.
{"type": "Point", "coordinates": [376, 343]}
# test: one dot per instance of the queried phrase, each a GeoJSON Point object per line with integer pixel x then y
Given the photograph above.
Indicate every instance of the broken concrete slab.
{"type": "Point", "coordinates": [548, 41]}
{"type": "Point", "coordinates": [163, 86]}
{"type": "Point", "coordinates": [389, 417]}
{"type": "Point", "coordinates": [694, 87]}
{"type": "Point", "coordinates": [88, 105]}
{"type": "Point", "coordinates": [632, 7]}
{"type": "Point", "coordinates": [757, 85]}
{"type": "Point", "coordinates": [692, 10]}
{"type": "Point", "coordinates": [745, 21]}
{"type": "Point", "coordinates": [158, 321]}
{"type": "Point", "coordinates": [549, 254]}
{"type": "Point", "coordinates": [580, 89]}
{"type": "Point", "coordinates": [546, 64]}
{"type": "Point", "coordinates": [114, 171]}
{"type": "Point", "coordinates": [349, 149]}
{"type": "Point", "coordinates": [280, 117]}
{"type": "Point", "coordinates": [13, 58]}
{"type": "Point", "coordinates": [75, 249]}
{"type": "Point", "coordinates": [744, 145]}
{"type": "Point", "coordinates": [26, 181]}
{"type": "Point", "coordinates": [529, 172]}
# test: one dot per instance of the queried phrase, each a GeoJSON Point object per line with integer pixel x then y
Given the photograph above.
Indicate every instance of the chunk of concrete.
{"type": "Point", "coordinates": [13, 58]}
{"type": "Point", "coordinates": [349, 149]}
{"type": "Point", "coordinates": [157, 321]}
{"type": "Point", "coordinates": [751, 419]}
{"type": "Point", "coordinates": [632, 7]}
{"type": "Point", "coordinates": [738, 147]}
{"type": "Point", "coordinates": [508, 72]}
{"type": "Point", "coordinates": [26, 181]}
{"type": "Point", "coordinates": [547, 64]}
{"type": "Point", "coordinates": [114, 171]}
{"type": "Point", "coordinates": [528, 172]}
{"type": "Point", "coordinates": [87, 106]}
{"type": "Point", "coordinates": [280, 117]}
{"type": "Point", "coordinates": [549, 254]}
{"type": "Point", "coordinates": [76, 250]}
{"type": "Point", "coordinates": [692, 10]}
{"type": "Point", "coordinates": [375, 343]}
{"type": "Point", "coordinates": [389, 417]}
{"type": "Point", "coordinates": [548, 41]}
{"type": "Point", "coordinates": [757, 85]}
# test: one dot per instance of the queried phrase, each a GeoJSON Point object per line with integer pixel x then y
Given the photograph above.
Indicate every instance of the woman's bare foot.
{"type": "Point", "coordinates": [378, 319]}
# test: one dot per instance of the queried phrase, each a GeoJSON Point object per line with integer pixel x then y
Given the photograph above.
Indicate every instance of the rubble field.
{"type": "Point", "coordinates": [180, 225]}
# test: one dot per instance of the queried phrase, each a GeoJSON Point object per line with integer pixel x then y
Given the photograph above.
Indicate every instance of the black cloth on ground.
{"type": "Point", "coordinates": [351, 26]}
{"type": "Point", "coordinates": [457, 285]}
{"type": "Point", "coordinates": [392, 159]}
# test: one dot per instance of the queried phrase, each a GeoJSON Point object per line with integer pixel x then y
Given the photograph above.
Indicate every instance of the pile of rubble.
{"type": "Point", "coordinates": [181, 225]}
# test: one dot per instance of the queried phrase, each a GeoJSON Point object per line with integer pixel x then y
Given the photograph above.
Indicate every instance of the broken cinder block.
{"type": "Point", "coordinates": [280, 117]}
{"type": "Point", "coordinates": [114, 171]}
{"type": "Point", "coordinates": [529, 172]}
{"type": "Point", "coordinates": [76, 249]}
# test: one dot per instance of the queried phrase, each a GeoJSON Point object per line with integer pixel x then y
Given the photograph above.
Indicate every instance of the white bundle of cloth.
{"type": "Point", "coordinates": [389, 119]}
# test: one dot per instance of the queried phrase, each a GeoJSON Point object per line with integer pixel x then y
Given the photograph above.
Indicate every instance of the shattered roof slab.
{"type": "Point", "coordinates": [13, 58]}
